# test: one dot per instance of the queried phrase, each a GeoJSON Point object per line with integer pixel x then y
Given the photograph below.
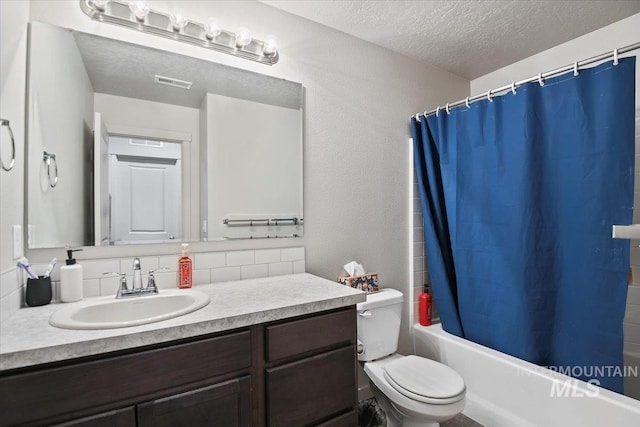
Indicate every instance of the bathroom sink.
{"type": "Point", "coordinates": [108, 312]}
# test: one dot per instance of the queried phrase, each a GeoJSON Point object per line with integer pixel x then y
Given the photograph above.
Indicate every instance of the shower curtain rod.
{"type": "Point", "coordinates": [575, 67]}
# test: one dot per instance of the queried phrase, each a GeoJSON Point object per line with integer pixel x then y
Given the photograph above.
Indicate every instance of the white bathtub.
{"type": "Point", "coordinates": [632, 358]}
{"type": "Point", "coordinates": [505, 391]}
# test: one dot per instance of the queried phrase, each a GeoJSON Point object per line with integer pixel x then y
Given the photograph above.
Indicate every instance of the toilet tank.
{"type": "Point", "coordinates": [379, 324]}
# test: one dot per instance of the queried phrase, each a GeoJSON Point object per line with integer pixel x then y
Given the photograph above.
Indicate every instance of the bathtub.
{"type": "Point", "coordinates": [505, 391]}
{"type": "Point", "coordinates": [632, 358]}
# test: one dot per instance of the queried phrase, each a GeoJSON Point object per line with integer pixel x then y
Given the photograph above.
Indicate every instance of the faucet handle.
{"type": "Point", "coordinates": [151, 284]}
{"type": "Point", "coordinates": [123, 281]}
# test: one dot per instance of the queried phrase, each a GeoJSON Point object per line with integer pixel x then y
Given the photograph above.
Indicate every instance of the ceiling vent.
{"type": "Point", "coordinates": [172, 82]}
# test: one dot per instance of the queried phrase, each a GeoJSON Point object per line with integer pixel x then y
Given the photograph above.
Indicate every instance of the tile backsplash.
{"type": "Point", "coordinates": [208, 267]}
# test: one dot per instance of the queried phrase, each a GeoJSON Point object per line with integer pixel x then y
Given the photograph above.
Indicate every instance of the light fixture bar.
{"type": "Point", "coordinates": [137, 16]}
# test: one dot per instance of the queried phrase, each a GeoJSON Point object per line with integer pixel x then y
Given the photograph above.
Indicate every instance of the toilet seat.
{"type": "Point", "coordinates": [424, 380]}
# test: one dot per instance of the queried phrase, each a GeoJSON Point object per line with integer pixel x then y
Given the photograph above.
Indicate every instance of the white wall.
{"type": "Point", "coordinates": [254, 170]}
{"type": "Point", "coordinates": [616, 35]}
{"type": "Point", "coordinates": [13, 60]}
{"type": "Point", "coordinates": [59, 86]}
{"type": "Point", "coordinates": [165, 121]}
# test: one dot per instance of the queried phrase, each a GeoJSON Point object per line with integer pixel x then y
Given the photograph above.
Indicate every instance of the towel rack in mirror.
{"type": "Point", "coordinates": [5, 123]}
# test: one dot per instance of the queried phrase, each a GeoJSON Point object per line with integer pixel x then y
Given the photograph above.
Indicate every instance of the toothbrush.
{"type": "Point", "coordinates": [24, 263]}
{"type": "Point", "coordinates": [50, 267]}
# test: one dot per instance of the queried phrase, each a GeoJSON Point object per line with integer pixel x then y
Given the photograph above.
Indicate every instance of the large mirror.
{"type": "Point", "coordinates": [129, 144]}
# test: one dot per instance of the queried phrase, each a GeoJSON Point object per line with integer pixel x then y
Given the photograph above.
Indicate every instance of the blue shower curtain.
{"type": "Point", "coordinates": [519, 196]}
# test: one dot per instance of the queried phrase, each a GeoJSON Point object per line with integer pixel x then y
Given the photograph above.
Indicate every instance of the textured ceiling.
{"type": "Point", "coordinates": [124, 69]}
{"type": "Point", "coordinates": [468, 38]}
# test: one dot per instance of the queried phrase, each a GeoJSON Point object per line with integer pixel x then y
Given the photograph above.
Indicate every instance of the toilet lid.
{"type": "Point", "coordinates": [425, 380]}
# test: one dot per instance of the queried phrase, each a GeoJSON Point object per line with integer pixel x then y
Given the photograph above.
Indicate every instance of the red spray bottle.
{"type": "Point", "coordinates": [424, 307]}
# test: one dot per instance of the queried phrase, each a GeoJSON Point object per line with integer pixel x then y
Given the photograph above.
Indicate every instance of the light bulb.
{"type": "Point", "coordinates": [139, 9]}
{"type": "Point", "coordinates": [99, 4]}
{"type": "Point", "coordinates": [212, 29]}
{"type": "Point", "coordinates": [270, 45]}
{"type": "Point", "coordinates": [243, 37]}
{"type": "Point", "coordinates": [178, 21]}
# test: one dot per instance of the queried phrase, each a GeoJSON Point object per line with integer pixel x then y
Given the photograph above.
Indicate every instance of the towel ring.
{"type": "Point", "coordinates": [3, 123]}
{"type": "Point", "coordinates": [48, 159]}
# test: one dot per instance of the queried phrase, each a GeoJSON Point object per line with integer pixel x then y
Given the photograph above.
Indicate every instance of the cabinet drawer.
{"type": "Point", "coordinates": [119, 379]}
{"type": "Point", "coordinates": [227, 404]}
{"type": "Point", "coordinates": [304, 392]}
{"type": "Point", "coordinates": [125, 417]}
{"type": "Point", "coordinates": [314, 333]}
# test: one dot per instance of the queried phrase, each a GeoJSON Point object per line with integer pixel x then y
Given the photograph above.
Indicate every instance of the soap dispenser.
{"type": "Point", "coordinates": [71, 278]}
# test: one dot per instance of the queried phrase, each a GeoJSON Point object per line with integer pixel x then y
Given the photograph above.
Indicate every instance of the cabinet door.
{"type": "Point", "coordinates": [125, 417]}
{"type": "Point", "coordinates": [312, 389]}
{"type": "Point", "coordinates": [226, 404]}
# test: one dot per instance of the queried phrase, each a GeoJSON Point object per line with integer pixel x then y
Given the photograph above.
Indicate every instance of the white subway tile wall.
{"type": "Point", "coordinates": [210, 267]}
{"type": "Point", "coordinates": [420, 269]}
{"type": "Point", "coordinates": [632, 318]}
{"type": "Point", "coordinates": [635, 250]}
{"type": "Point", "coordinates": [632, 314]}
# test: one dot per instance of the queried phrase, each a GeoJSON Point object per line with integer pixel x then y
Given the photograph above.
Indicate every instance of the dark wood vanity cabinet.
{"type": "Point", "coordinates": [310, 370]}
{"type": "Point", "coordinates": [295, 372]}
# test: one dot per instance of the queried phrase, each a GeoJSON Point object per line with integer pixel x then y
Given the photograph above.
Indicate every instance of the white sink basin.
{"type": "Point", "coordinates": [108, 312]}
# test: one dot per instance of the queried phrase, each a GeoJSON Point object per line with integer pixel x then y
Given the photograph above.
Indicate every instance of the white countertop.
{"type": "Point", "coordinates": [27, 339]}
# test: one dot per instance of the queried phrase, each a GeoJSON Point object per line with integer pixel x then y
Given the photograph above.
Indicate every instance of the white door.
{"type": "Point", "coordinates": [145, 199]}
{"type": "Point", "coordinates": [101, 181]}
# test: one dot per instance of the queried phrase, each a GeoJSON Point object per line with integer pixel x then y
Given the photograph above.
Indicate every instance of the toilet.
{"type": "Point", "coordinates": [413, 391]}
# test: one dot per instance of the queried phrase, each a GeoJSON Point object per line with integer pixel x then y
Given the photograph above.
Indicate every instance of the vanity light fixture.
{"type": "Point", "coordinates": [243, 37]}
{"type": "Point", "coordinates": [178, 21]}
{"type": "Point", "coordinates": [212, 29]}
{"type": "Point", "coordinates": [139, 9]}
{"type": "Point", "coordinates": [137, 15]}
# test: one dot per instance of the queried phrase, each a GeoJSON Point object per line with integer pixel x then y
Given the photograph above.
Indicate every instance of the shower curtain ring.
{"type": "Point", "coordinates": [540, 80]}
{"type": "Point", "coordinates": [513, 87]}
{"type": "Point", "coordinates": [489, 96]}
{"type": "Point", "coordinates": [417, 117]}
{"type": "Point", "coordinates": [437, 111]}
{"type": "Point", "coordinates": [466, 102]}
{"type": "Point", "coordinates": [615, 56]}
{"type": "Point", "coordinates": [575, 68]}
{"type": "Point", "coordinates": [447, 108]}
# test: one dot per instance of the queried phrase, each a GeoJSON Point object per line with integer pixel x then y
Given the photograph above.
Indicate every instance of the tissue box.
{"type": "Point", "coordinates": [367, 282]}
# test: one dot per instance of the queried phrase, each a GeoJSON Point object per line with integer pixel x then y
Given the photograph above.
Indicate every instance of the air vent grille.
{"type": "Point", "coordinates": [172, 82]}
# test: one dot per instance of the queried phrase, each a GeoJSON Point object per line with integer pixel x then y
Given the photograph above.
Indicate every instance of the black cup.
{"type": "Point", "coordinates": [39, 291]}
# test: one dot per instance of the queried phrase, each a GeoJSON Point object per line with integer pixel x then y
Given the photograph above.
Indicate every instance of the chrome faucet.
{"type": "Point", "coordinates": [137, 275]}
{"type": "Point", "coordinates": [137, 289]}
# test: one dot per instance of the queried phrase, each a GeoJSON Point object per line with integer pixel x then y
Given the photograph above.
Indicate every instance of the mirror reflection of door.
{"type": "Point", "coordinates": [101, 182]}
{"type": "Point", "coordinates": [145, 190]}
